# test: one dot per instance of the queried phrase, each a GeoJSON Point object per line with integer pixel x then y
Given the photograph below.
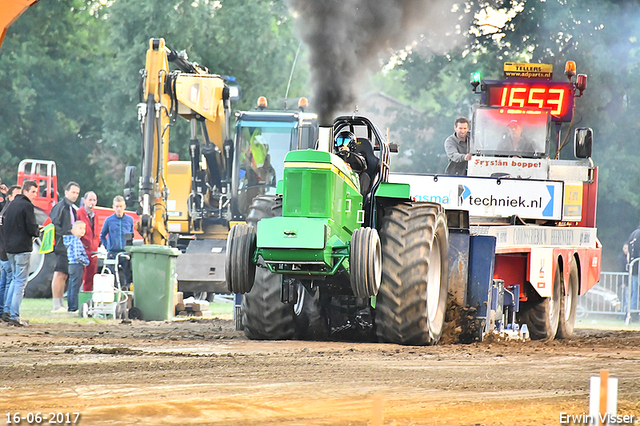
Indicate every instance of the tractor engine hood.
{"type": "Point", "coordinates": [321, 204]}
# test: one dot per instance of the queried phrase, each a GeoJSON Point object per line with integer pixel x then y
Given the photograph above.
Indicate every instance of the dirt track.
{"type": "Point", "coordinates": [206, 373]}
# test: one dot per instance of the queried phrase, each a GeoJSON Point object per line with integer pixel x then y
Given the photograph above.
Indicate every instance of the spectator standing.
{"type": "Point", "coordinates": [3, 195]}
{"type": "Point", "coordinates": [91, 238]}
{"type": "Point", "coordinates": [63, 214]}
{"type": "Point", "coordinates": [78, 259]}
{"type": "Point", "coordinates": [113, 235]}
{"type": "Point", "coordinates": [622, 264]}
{"type": "Point", "coordinates": [6, 274]}
{"type": "Point", "coordinates": [20, 227]}
{"type": "Point", "coordinates": [634, 253]}
{"type": "Point", "coordinates": [457, 148]}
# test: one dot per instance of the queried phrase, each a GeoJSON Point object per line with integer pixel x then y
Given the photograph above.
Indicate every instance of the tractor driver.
{"type": "Point", "coordinates": [345, 144]}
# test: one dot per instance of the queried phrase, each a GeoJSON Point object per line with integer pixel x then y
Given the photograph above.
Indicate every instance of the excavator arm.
{"type": "Point", "coordinates": [10, 10]}
{"type": "Point", "coordinates": [203, 100]}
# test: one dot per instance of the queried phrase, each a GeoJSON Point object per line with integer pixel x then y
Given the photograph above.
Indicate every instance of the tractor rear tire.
{"type": "Point", "coordinates": [543, 316]}
{"type": "Point", "coordinates": [569, 304]}
{"type": "Point", "coordinates": [264, 206]}
{"type": "Point", "coordinates": [239, 267]}
{"type": "Point", "coordinates": [365, 262]}
{"type": "Point", "coordinates": [411, 303]}
{"type": "Point", "coordinates": [264, 316]}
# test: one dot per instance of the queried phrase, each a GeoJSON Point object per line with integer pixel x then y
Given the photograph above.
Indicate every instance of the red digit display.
{"type": "Point", "coordinates": [553, 95]}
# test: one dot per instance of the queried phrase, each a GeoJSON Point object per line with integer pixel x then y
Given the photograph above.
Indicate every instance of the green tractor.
{"type": "Point", "coordinates": [325, 255]}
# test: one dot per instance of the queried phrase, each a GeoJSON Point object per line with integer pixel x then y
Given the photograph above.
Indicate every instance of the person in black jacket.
{"type": "Point", "coordinates": [6, 275]}
{"type": "Point", "coordinates": [631, 303]}
{"type": "Point", "coordinates": [62, 215]}
{"type": "Point", "coordinates": [20, 227]}
{"type": "Point", "coordinates": [4, 192]}
{"type": "Point", "coordinates": [622, 263]}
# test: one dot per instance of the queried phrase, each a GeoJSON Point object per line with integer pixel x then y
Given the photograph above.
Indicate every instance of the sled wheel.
{"type": "Point", "coordinates": [542, 316]}
{"type": "Point", "coordinates": [569, 304]}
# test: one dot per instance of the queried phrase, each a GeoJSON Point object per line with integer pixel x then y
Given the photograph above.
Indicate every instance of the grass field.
{"type": "Point", "coordinates": [606, 322]}
{"type": "Point", "coordinates": [39, 311]}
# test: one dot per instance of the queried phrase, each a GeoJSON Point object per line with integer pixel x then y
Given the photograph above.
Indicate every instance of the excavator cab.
{"type": "Point", "coordinates": [262, 140]}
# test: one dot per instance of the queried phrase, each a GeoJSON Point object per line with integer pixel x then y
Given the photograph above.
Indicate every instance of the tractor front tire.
{"type": "Point", "coordinates": [264, 316]}
{"type": "Point", "coordinates": [411, 303]}
{"type": "Point", "coordinates": [543, 316]}
{"type": "Point", "coordinates": [569, 304]}
{"type": "Point", "coordinates": [365, 262]}
{"type": "Point", "coordinates": [239, 267]}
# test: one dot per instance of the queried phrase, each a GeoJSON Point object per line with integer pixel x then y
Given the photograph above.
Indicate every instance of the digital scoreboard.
{"type": "Point", "coordinates": [557, 96]}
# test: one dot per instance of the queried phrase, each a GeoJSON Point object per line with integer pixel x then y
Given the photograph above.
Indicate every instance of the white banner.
{"type": "Point", "coordinates": [532, 236]}
{"type": "Point", "coordinates": [488, 197]}
{"type": "Point", "coordinates": [522, 168]}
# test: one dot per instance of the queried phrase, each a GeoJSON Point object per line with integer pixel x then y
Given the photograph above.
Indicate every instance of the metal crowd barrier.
{"type": "Point", "coordinates": [612, 295]}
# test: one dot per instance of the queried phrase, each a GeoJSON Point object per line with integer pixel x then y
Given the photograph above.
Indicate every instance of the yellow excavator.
{"type": "Point", "coordinates": [192, 204]}
{"type": "Point", "coordinates": [204, 100]}
{"type": "Point", "coordinates": [184, 203]}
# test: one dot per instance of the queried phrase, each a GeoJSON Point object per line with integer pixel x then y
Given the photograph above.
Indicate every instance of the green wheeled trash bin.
{"type": "Point", "coordinates": [154, 280]}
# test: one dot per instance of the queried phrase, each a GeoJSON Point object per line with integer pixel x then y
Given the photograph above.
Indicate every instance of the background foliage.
{"type": "Point", "coordinates": [69, 76]}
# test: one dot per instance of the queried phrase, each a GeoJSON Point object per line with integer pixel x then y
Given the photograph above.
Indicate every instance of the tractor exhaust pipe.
{"type": "Point", "coordinates": [324, 138]}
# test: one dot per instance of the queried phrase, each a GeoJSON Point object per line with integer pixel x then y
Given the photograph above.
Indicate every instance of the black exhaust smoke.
{"type": "Point", "coordinates": [348, 37]}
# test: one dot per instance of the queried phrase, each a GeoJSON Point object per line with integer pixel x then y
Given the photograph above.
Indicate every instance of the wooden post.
{"type": "Point", "coordinates": [376, 412]}
{"type": "Point", "coordinates": [604, 381]}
